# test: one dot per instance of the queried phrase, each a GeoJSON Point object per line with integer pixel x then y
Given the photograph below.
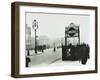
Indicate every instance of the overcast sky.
{"type": "Point", "coordinates": [53, 25]}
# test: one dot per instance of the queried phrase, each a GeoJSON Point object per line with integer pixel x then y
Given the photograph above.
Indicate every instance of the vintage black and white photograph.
{"type": "Point", "coordinates": [52, 39]}
{"type": "Point", "coordinates": [57, 39]}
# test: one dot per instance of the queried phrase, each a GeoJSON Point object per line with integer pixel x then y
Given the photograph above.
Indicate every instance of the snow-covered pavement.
{"type": "Point", "coordinates": [50, 58]}
{"type": "Point", "coordinates": [45, 58]}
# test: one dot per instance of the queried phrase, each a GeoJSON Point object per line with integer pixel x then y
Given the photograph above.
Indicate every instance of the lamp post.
{"type": "Point", "coordinates": [35, 27]}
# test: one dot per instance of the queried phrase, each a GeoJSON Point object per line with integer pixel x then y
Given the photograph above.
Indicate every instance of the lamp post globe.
{"type": "Point", "coordinates": [35, 24]}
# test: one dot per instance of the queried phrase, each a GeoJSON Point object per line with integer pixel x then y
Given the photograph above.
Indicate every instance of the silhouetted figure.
{"type": "Point", "coordinates": [54, 49]}
{"type": "Point", "coordinates": [84, 53]}
{"type": "Point", "coordinates": [27, 61]}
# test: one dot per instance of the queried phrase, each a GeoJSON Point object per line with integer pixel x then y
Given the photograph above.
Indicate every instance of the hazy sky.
{"type": "Point", "coordinates": [53, 25]}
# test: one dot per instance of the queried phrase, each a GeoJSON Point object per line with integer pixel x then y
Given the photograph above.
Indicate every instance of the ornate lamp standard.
{"type": "Point", "coordinates": [35, 27]}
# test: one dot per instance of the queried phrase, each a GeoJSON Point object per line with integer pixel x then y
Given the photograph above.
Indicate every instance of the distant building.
{"type": "Point", "coordinates": [41, 40]}
{"type": "Point", "coordinates": [27, 37]}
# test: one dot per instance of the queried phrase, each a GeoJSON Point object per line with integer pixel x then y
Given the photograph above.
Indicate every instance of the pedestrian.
{"type": "Point", "coordinates": [27, 61]}
{"type": "Point", "coordinates": [54, 49]}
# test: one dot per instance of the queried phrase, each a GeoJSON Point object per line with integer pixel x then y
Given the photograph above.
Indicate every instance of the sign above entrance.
{"type": "Point", "coordinates": [71, 30]}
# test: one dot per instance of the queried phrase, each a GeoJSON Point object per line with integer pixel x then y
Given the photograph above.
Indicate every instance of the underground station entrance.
{"type": "Point", "coordinates": [72, 51]}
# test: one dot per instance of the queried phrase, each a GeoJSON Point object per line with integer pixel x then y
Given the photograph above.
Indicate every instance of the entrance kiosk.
{"type": "Point", "coordinates": [72, 31]}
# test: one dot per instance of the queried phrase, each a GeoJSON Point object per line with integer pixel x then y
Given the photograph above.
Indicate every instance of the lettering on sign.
{"type": "Point", "coordinates": [71, 30]}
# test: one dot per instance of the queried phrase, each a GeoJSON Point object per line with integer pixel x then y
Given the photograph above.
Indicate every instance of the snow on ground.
{"type": "Point", "coordinates": [50, 58]}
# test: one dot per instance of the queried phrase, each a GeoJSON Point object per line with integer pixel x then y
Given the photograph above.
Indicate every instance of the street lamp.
{"type": "Point", "coordinates": [35, 27]}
